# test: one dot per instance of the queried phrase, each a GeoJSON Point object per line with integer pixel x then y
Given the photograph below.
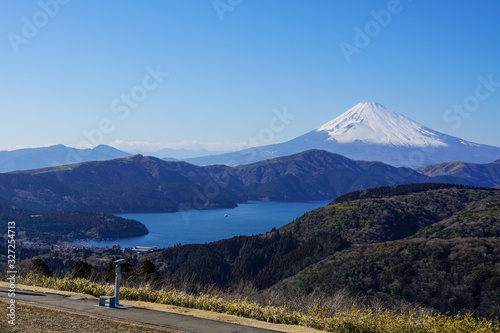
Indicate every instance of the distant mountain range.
{"type": "Point", "coordinates": [148, 184]}
{"type": "Point", "coordinates": [171, 154]}
{"type": "Point", "coordinates": [370, 132]}
{"type": "Point", "coordinates": [487, 175]}
{"type": "Point", "coordinates": [57, 155]}
{"type": "Point", "coordinates": [34, 158]}
{"type": "Point", "coordinates": [318, 174]}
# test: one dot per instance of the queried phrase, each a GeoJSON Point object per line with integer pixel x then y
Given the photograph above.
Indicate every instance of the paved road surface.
{"type": "Point", "coordinates": [172, 321]}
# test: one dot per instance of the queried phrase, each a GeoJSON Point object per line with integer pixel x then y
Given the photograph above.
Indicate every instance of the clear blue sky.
{"type": "Point", "coordinates": [226, 76]}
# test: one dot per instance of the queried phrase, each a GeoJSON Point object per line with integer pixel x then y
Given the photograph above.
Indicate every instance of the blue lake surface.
{"type": "Point", "coordinates": [195, 227]}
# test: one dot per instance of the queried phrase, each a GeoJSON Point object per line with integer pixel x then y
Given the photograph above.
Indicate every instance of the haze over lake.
{"type": "Point", "coordinates": [195, 227]}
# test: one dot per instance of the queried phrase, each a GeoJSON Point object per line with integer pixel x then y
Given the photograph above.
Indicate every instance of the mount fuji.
{"type": "Point", "coordinates": [373, 132]}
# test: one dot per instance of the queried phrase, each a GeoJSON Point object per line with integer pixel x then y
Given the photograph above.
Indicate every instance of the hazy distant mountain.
{"type": "Point", "coordinates": [34, 158]}
{"type": "Point", "coordinates": [487, 175]}
{"type": "Point", "coordinates": [148, 184]}
{"type": "Point", "coordinates": [171, 154]}
{"type": "Point", "coordinates": [371, 132]}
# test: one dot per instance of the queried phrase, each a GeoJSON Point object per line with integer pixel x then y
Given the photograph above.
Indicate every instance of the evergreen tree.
{"type": "Point", "coordinates": [40, 267]}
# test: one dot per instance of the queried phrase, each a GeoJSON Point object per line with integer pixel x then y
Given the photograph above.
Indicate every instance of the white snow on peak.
{"type": "Point", "coordinates": [373, 123]}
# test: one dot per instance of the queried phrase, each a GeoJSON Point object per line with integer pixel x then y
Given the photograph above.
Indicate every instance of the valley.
{"type": "Point", "coordinates": [390, 244]}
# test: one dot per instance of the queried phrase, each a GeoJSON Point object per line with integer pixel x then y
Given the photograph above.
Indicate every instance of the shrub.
{"type": "Point", "coordinates": [81, 269]}
{"type": "Point", "coordinates": [39, 266]}
{"type": "Point", "coordinates": [357, 320]}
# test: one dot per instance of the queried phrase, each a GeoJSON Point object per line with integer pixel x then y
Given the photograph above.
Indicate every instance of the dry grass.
{"type": "Point", "coordinates": [33, 318]}
{"type": "Point", "coordinates": [355, 321]}
{"type": "Point", "coordinates": [178, 310]}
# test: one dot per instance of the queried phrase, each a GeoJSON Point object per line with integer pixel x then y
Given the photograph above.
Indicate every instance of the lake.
{"type": "Point", "coordinates": [203, 226]}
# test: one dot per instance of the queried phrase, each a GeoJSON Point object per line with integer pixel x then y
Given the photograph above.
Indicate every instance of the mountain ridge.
{"type": "Point", "coordinates": [56, 155]}
{"type": "Point", "coordinates": [487, 174]}
{"type": "Point", "coordinates": [357, 137]}
{"type": "Point", "coordinates": [147, 184]}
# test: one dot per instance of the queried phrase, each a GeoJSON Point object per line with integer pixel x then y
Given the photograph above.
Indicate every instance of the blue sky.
{"type": "Point", "coordinates": [66, 66]}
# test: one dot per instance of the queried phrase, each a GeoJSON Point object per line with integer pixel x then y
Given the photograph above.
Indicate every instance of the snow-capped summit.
{"type": "Point", "coordinates": [370, 132]}
{"type": "Point", "coordinates": [374, 123]}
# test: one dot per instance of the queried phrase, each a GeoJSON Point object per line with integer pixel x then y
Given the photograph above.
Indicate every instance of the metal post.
{"type": "Point", "coordinates": [118, 271]}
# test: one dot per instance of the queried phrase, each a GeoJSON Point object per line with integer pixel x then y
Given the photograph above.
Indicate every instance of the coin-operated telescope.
{"type": "Point", "coordinates": [118, 263]}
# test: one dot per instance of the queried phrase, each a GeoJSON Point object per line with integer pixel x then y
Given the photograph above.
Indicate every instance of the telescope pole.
{"type": "Point", "coordinates": [117, 283]}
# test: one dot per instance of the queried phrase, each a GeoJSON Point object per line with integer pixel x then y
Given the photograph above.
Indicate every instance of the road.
{"type": "Point", "coordinates": [178, 322]}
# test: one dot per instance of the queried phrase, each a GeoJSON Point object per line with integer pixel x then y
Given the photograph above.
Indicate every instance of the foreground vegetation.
{"type": "Point", "coordinates": [40, 319]}
{"type": "Point", "coordinates": [356, 320]}
{"type": "Point", "coordinates": [384, 259]}
{"type": "Point", "coordinates": [430, 245]}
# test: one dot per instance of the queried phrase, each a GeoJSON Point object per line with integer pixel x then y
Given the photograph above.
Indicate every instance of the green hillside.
{"type": "Point", "coordinates": [450, 265]}
{"type": "Point", "coordinates": [436, 247]}
{"type": "Point", "coordinates": [432, 245]}
{"type": "Point", "coordinates": [68, 225]}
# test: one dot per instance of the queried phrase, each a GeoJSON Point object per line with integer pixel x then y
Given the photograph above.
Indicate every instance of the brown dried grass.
{"type": "Point", "coordinates": [34, 319]}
